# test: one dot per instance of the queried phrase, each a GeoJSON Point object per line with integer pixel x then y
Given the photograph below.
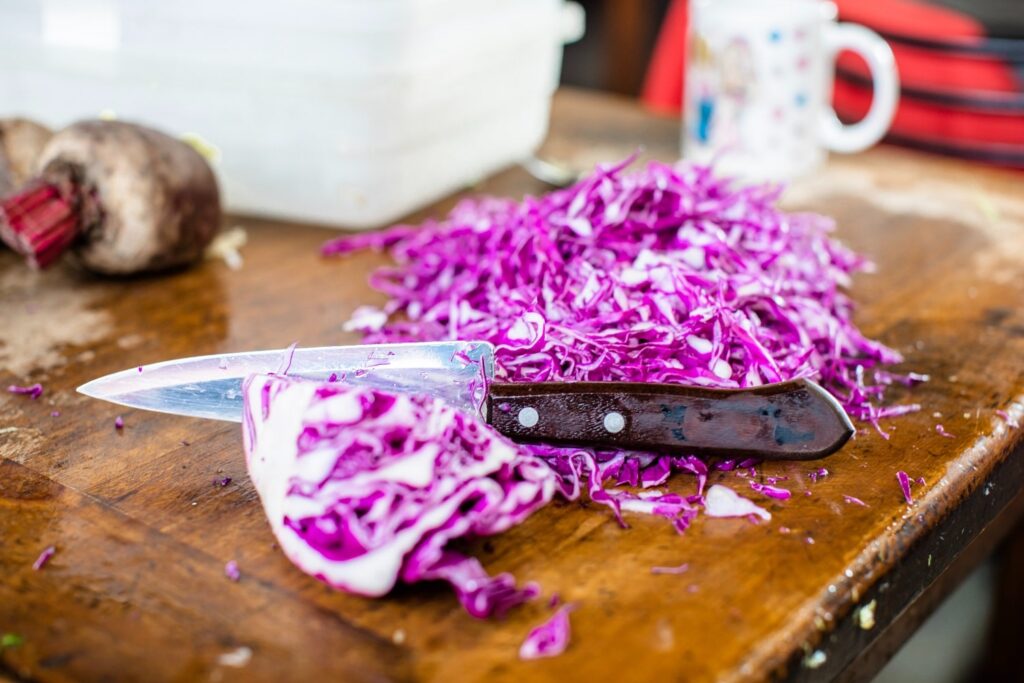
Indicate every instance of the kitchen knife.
{"type": "Point", "coordinates": [795, 420]}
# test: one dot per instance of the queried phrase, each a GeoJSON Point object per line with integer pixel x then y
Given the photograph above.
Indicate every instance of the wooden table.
{"type": "Point", "coordinates": [136, 590]}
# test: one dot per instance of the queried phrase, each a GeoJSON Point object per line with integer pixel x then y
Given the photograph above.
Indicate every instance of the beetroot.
{"type": "Point", "coordinates": [21, 141]}
{"type": "Point", "coordinates": [123, 198]}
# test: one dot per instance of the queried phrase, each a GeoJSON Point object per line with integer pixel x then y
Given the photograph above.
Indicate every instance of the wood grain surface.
{"type": "Point", "coordinates": [137, 591]}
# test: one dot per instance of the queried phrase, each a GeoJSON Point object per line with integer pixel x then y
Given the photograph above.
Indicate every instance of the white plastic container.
{"type": "Point", "coordinates": [346, 112]}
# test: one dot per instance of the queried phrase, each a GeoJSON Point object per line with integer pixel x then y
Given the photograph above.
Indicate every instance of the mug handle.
{"type": "Point", "coordinates": [876, 52]}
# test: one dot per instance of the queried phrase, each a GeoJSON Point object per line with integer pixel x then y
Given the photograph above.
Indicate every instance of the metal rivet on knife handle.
{"type": "Point", "coordinates": [614, 422]}
{"type": "Point", "coordinates": [528, 417]}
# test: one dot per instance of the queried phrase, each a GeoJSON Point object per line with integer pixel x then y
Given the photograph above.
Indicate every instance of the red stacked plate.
{"type": "Point", "coordinates": [961, 68]}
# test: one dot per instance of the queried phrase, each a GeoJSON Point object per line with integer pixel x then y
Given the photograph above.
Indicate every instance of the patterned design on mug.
{"type": "Point", "coordinates": [757, 83]}
{"type": "Point", "coordinates": [723, 80]}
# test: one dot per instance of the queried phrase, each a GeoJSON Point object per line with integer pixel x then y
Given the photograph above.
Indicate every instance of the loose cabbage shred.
{"type": "Point", "coordinates": [550, 638]}
{"type": "Point", "coordinates": [35, 391]}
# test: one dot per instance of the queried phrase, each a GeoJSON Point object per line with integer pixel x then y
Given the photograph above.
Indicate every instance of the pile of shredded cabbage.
{"type": "Point", "coordinates": [664, 274]}
{"type": "Point", "coordinates": [364, 488]}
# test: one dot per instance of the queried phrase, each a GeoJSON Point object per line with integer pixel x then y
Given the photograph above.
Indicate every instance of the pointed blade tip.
{"type": "Point", "coordinates": [88, 389]}
{"type": "Point", "coordinates": [98, 388]}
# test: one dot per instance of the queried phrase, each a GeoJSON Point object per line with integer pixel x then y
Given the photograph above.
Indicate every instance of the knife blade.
{"type": "Point", "coordinates": [789, 420]}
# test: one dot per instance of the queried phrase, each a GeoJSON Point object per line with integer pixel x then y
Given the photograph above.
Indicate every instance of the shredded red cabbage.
{"type": "Point", "coordinates": [232, 571]}
{"type": "Point", "coordinates": [681, 569]}
{"type": "Point", "coordinates": [854, 500]}
{"type": "Point", "coordinates": [771, 491]}
{"type": "Point", "coordinates": [44, 557]}
{"type": "Point", "coordinates": [550, 638]}
{"type": "Point", "coordinates": [364, 488]}
{"type": "Point", "coordinates": [118, 422]}
{"type": "Point", "coordinates": [904, 481]}
{"type": "Point", "coordinates": [664, 274]}
{"type": "Point", "coordinates": [35, 391]}
{"type": "Point", "coordinates": [722, 501]}
{"type": "Point", "coordinates": [942, 432]}
{"type": "Point", "coordinates": [286, 359]}
{"type": "Point", "coordinates": [1007, 419]}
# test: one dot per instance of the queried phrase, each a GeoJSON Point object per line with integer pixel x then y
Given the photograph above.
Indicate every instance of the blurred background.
{"type": "Point", "coordinates": [615, 51]}
{"type": "Point", "coordinates": [261, 90]}
{"type": "Point", "coordinates": [621, 35]}
{"type": "Point", "coordinates": [347, 113]}
{"type": "Point", "coordinates": [960, 62]}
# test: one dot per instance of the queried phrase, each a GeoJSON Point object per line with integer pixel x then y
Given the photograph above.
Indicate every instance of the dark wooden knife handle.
{"type": "Point", "coordinates": [795, 420]}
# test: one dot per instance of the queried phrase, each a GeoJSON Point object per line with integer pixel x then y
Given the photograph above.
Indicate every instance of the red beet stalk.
{"type": "Point", "coordinates": [40, 222]}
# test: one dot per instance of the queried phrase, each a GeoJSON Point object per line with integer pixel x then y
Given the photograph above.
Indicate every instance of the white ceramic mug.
{"type": "Point", "coordinates": [759, 86]}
